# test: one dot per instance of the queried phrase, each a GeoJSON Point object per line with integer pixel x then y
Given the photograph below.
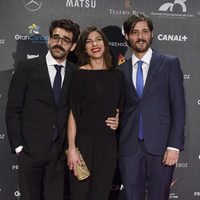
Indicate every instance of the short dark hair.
{"type": "Point", "coordinates": [130, 23]}
{"type": "Point", "coordinates": [83, 58]}
{"type": "Point", "coordinates": [68, 25]}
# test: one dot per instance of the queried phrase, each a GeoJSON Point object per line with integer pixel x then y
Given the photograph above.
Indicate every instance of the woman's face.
{"type": "Point", "coordinates": [94, 45]}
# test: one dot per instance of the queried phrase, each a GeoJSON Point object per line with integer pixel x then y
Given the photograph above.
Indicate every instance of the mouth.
{"type": "Point", "coordinates": [96, 50]}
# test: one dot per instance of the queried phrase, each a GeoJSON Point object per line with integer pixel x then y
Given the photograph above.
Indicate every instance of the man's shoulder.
{"type": "Point", "coordinates": [163, 55]}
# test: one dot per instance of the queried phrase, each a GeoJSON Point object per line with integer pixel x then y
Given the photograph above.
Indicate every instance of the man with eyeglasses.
{"type": "Point", "coordinates": [36, 115]}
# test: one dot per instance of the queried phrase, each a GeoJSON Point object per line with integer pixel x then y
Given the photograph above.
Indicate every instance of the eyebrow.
{"type": "Point", "coordinates": [62, 36]}
{"type": "Point", "coordinates": [99, 36]}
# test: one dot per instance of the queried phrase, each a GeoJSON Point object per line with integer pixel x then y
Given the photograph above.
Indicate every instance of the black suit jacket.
{"type": "Point", "coordinates": [162, 107]}
{"type": "Point", "coordinates": [31, 113]}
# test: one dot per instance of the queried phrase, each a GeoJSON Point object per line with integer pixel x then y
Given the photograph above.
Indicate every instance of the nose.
{"type": "Point", "coordinates": [94, 43]}
{"type": "Point", "coordinates": [140, 35]}
{"type": "Point", "coordinates": [59, 41]}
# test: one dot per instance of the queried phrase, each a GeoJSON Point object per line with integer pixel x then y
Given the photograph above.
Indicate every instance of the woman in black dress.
{"type": "Point", "coordinates": [96, 93]}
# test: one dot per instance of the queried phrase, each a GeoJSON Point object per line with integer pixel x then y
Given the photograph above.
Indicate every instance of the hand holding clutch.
{"type": "Point", "coordinates": [81, 169]}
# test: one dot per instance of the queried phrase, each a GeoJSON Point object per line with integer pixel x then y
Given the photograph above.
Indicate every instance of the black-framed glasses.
{"type": "Point", "coordinates": [64, 41]}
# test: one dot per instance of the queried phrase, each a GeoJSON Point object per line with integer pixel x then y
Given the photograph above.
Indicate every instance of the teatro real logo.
{"type": "Point", "coordinates": [32, 5]}
{"type": "Point", "coordinates": [170, 6]}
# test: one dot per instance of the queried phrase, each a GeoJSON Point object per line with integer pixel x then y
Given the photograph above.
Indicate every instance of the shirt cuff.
{"type": "Point", "coordinates": [18, 149]}
{"type": "Point", "coordinates": [172, 148]}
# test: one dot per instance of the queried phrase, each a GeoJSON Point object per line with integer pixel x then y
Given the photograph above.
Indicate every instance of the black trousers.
{"type": "Point", "coordinates": [43, 178]}
{"type": "Point", "coordinates": [100, 156]}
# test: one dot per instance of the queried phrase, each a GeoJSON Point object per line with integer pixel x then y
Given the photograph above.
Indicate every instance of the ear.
{"type": "Point", "coordinates": [126, 36]}
{"type": "Point", "coordinates": [48, 42]}
{"type": "Point", "coordinates": [73, 46]}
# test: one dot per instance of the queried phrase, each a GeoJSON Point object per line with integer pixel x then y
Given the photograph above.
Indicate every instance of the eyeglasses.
{"type": "Point", "coordinates": [64, 41]}
{"type": "Point", "coordinates": [96, 40]}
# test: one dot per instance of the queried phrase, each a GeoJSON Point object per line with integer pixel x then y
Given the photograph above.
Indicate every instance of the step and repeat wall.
{"type": "Point", "coordinates": [24, 32]}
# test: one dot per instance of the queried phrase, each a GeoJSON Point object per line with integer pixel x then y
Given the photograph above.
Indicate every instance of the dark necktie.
{"type": "Point", "coordinates": [139, 88]}
{"type": "Point", "coordinates": [57, 82]}
{"type": "Point", "coordinates": [56, 90]}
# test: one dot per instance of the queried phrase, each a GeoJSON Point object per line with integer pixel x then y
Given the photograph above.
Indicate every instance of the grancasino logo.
{"type": "Point", "coordinates": [173, 9]}
{"type": "Point", "coordinates": [33, 35]}
{"type": "Point", "coordinates": [81, 3]}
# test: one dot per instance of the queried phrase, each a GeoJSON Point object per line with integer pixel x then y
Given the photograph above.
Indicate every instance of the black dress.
{"type": "Point", "coordinates": [95, 96]}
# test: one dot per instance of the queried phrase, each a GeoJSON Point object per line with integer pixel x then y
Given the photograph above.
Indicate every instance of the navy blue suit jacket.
{"type": "Point", "coordinates": [162, 106]}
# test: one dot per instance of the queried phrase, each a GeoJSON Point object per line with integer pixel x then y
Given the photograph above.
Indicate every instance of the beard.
{"type": "Point", "coordinates": [138, 48]}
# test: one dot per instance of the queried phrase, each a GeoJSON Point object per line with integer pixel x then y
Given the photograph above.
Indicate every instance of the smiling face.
{"type": "Point", "coordinates": [60, 44]}
{"type": "Point", "coordinates": [140, 38]}
{"type": "Point", "coordinates": [94, 45]}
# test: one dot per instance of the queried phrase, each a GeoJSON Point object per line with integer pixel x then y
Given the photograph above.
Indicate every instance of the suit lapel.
{"type": "Point", "coordinates": [155, 63]}
{"type": "Point", "coordinates": [68, 72]}
{"type": "Point", "coordinates": [130, 79]}
{"type": "Point", "coordinates": [44, 75]}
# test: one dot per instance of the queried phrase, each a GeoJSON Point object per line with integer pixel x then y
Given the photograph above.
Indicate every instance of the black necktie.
{"type": "Point", "coordinates": [139, 88]}
{"type": "Point", "coordinates": [57, 82]}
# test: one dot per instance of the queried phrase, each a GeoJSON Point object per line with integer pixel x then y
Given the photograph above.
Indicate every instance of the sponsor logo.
{"type": "Point", "coordinates": [173, 195]}
{"type": "Point", "coordinates": [177, 9]}
{"type": "Point", "coordinates": [81, 3]}
{"type": "Point", "coordinates": [17, 194]}
{"type": "Point", "coordinates": [32, 5]}
{"type": "Point", "coordinates": [32, 56]}
{"type": "Point", "coordinates": [170, 6]}
{"type": "Point", "coordinates": [15, 167]}
{"type": "Point", "coordinates": [126, 11]}
{"type": "Point", "coordinates": [182, 165]}
{"type": "Point", "coordinates": [33, 35]}
{"type": "Point", "coordinates": [2, 136]}
{"type": "Point", "coordinates": [173, 38]}
{"type": "Point", "coordinates": [117, 187]}
{"type": "Point", "coordinates": [34, 29]}
{"type": "Point", "coordinates": [2, 41]}
{"type": "Point", "coordinates": [127, 3]}
{"type": "Point", "coordinates": [186, 76]}
{"type": "Point", "coordinates": [196, 194]}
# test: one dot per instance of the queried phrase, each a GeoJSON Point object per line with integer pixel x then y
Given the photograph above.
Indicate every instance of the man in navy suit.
{"type": "Point", "coordinates": [153, 119]}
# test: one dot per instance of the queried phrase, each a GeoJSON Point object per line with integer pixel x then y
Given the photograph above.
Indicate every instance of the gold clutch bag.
{"type": "Point", "coordinates": [82, 170]}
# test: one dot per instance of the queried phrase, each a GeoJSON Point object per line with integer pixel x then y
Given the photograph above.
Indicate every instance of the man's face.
{"type": "Point", "coordinates": [140, 38]}
{"type": "Point", "coordinates": [60, 44]}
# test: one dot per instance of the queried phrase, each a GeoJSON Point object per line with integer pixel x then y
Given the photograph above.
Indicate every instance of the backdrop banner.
{"type": "Point", "coordinates": [24, 34]}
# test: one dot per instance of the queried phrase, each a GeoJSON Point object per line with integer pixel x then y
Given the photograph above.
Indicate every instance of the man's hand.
{"type": "Point", "coordinates": [113, 122]}
{"type": "Point", "coordinates": [171, 157]}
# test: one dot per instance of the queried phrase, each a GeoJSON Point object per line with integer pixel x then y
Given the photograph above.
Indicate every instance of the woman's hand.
{"type": "Point", "coordinates": [113, 122]}
{"type": "Point", "coordinates": [73, 159]}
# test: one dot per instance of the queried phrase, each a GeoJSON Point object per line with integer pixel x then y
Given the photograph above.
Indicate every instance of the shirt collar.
{"type": "Point", "coordinates": [146, 58]}
{"type": "Point", "coordinates": [51, 61]}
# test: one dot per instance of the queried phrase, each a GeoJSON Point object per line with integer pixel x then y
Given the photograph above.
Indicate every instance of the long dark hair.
{"type": "Point", "coordinates": [83, 58]}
